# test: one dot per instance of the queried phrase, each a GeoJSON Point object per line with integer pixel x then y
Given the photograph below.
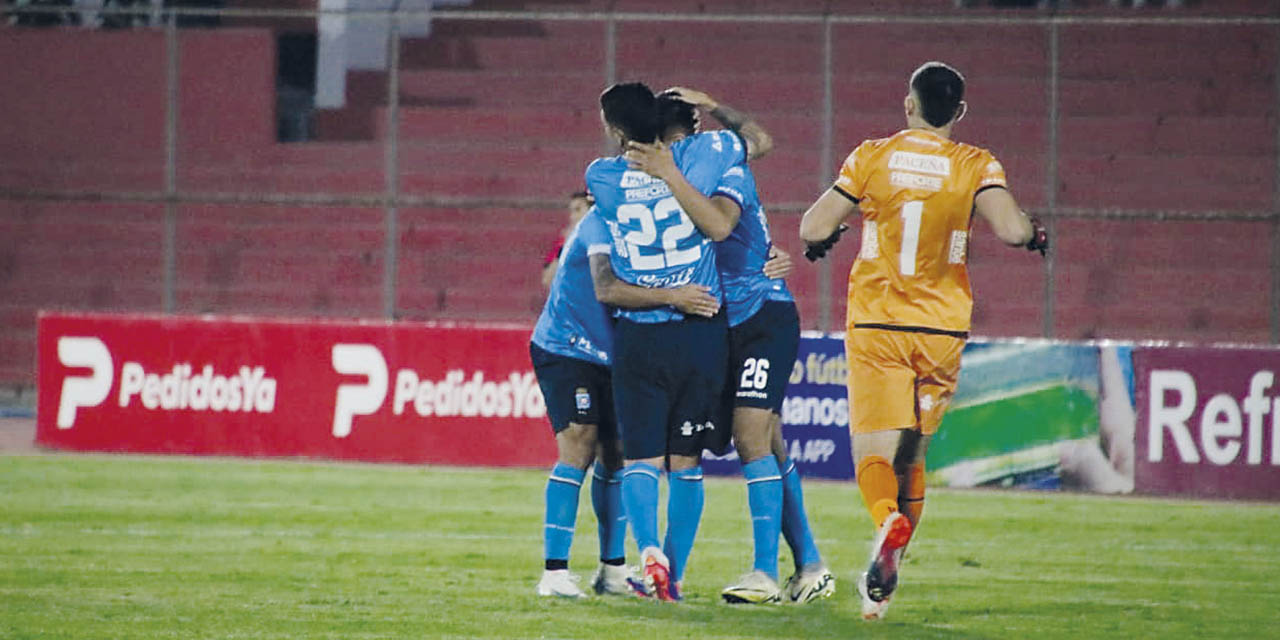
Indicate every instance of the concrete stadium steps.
{"type": "Point", "coordinates": [1190, 280]}
{"type": "Point", "coordinates": [1178, 183]}
{"type": "Point", "coordinates": [1148, 52]}
{"type": "Point", "coordinates": [729, 7]}
{"type": "Point", "coordinates": [73, 256]}
{"type": "Point", "coordinates": [1019, 51]}
{"type": "Point", "coordinates": [479, 263]}
{"type": "Point", "coordinates": [1162, 96]}
{"type": "Point", "coordinates": [279, 260]}
{"type": "Point", "coordinates": [1200, 324]}
{"type": "Point", "coordinates": [479, 88]}
{"type": "Point", "coordinates": [1213, 137]}
{"type": "Point", "coordinates": [511, 45]}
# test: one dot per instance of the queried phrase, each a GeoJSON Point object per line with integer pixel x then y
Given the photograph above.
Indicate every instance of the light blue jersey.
{"type": "Point", "coordinates": [573, 323]}
{"type": "Point", "coordinates": [742, 255]}
{"type": "Point", "coordinates": [655, 242]}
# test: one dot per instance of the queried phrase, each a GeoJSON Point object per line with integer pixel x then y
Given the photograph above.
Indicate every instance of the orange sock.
{"type": "Point", "coordinates": [911, 493]}
{"type": "Point", "coordinates": [879, 487]}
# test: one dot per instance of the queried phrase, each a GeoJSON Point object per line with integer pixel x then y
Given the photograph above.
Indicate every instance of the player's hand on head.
{"type": "Point", "coordinates": [695, 299]}
{"type": "Point", "coordinates": [654, 159]}
{"type": "Point", "coordinates": [779, 265]}
{"type": "Point", "coordinates": [694, 97]}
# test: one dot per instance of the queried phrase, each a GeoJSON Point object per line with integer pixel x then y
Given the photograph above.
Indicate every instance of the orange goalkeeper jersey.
{"type": "Point", "coordinates": [915, 190]}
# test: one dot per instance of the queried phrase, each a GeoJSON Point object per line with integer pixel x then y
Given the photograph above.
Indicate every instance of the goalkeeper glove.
{"type": "Point", "coordinates": [1039, 236]}
{"type": "Point", "coordinates": [817, 250]}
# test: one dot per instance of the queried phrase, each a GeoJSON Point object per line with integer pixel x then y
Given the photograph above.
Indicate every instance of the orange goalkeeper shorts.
{"type": "Point", "coordinates": [899, 379]}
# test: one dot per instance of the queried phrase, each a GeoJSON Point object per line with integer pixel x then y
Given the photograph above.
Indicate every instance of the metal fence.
{"type": "Point", "coordinates": [1040, 89]}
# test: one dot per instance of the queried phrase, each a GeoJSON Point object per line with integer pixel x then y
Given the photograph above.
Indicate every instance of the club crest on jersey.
{"type": "Point", "coordinates": [582, 399]}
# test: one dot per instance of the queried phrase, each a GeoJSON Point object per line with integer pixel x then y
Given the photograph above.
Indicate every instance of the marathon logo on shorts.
{"type": "Point", "coordinates": [582, 399]}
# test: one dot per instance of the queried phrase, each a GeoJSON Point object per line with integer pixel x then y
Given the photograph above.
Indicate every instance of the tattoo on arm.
{"type": "Point", "coordinates": [758, 140]}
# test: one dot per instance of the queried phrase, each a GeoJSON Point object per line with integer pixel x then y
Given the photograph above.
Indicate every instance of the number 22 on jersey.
{"type": "Point", "coordinates": [642, 242]}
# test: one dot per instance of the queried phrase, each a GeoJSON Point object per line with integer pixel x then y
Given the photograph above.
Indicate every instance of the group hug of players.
{"type": "Point", "coordinates": [669, 330]}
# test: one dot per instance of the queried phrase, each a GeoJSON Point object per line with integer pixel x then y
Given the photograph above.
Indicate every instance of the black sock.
{"type": "Point", "coordinates": [614, 562]}
{"type": "Point", "coordinates": [556, 565]}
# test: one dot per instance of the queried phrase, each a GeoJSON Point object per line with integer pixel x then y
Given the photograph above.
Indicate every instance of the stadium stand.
{"type": "Point", "coordinates": [1175, 119]}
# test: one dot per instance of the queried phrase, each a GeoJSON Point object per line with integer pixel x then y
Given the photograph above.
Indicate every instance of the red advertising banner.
{"type": "Point", "coordinates": [375, 391]}
{"type": "Point", "coordinates": [1208, 422]}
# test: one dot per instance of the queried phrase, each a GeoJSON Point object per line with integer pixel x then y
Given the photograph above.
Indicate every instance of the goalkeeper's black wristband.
{"type": "Point", "coordinates": [818, 250]}
{"type": "Point", "coordinates": [1039, 237]}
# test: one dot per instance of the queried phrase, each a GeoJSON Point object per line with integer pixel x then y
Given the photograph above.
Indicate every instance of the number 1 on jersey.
{"type": "Point", "coordinates": [912, 213]}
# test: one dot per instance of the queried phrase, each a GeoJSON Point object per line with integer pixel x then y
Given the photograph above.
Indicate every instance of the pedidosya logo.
{"type": "Point", "coordinates": [456, 395]}
{"type": "Point", "coordinates": [182, 387]}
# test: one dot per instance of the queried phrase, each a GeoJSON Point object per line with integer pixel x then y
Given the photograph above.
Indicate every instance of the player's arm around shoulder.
{"type": "Point", "coordinates": [690, 299]}
{"type": "Point", "coordinates": [716, 217]}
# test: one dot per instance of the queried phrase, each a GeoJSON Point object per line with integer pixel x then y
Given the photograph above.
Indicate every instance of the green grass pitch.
{"type": "Point", "coordinates": [145, 547]}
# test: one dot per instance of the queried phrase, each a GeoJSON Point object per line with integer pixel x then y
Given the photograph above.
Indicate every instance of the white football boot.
{"type": "Point", "coordinates": [807, 586]}
{"type": "Point", "coordinates": [619, 580]}
{"type": "Point", "coordinates": [753, 588]}
{"type": "Point", "coordinates": [878, 583]}
{"type": "Point", "coordinates": [560, 583]}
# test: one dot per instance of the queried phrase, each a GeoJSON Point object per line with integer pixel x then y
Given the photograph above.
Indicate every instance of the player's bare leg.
{"type": "Point", "coordinates": [752, 430]}
{"type": "Point", "coordinates": [576, 445]}
{"type": "Point", "coordinates": [878, 482]}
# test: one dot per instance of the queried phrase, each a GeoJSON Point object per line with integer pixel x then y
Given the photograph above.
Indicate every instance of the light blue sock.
{"type": "Point", "coordinates": [684, 512]}
{"type": "Point", "coordinates": [764, 496]}
{"type": "Point", "coordinates": [562, 510]}
{"type": "Point", "coordinates": [611, 522]}
{"type": "Point", "coordinates": [640, 502]}
{"type": "Point", "coordinates": [795, 524]}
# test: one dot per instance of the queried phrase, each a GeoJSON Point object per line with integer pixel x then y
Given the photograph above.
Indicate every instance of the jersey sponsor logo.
{"type": "Point", "coordinates": [870, 241]}
{"type": "Point", "coordinates": [678, 279]}
{"type": "Point", "coordinates": [959, 242]}
{"type": "Point", "coordinates": [915, 181]}
{"type": "Point", "coordinates": [924, 141]}
{"type": "Point", "coordinates": [920, 163]}
{"type": "Point", "coordinates": [650, 192]}
{"type": "Point", "coordinates": [631, 179]}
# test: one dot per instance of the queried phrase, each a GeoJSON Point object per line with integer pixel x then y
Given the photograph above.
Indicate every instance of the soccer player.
{"type": "Point", "coordinates": [668, 366]}
{"type": "Point", "coordinates": [764, 334]}
{"type": "Point", "coordinates": [909, 298]}
{"type": "Point", "coordinates": [570, 350]}
{"type": "Point", "coordinates": [579, 203]}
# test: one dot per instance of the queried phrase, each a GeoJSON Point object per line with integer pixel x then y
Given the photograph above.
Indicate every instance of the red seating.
{"type": "Point", "coordinates": [1150, 117]}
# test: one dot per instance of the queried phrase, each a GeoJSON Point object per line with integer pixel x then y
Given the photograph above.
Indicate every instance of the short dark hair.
{"type": "Point", "coordinates": [939, 88]}
{"type": "Point", "coordinates": [580, 195]}
{"type": "Point", "coordinates": [631, 108]}
{"type": "Point", "coordinates": [675, 113]}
